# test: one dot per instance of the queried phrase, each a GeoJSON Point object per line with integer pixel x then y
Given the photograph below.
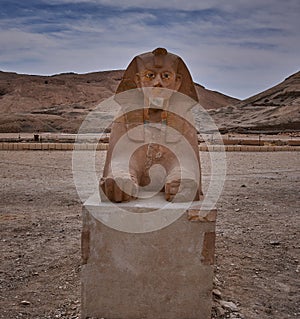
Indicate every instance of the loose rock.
{"type": "Point", "coordinates": [229, 305]}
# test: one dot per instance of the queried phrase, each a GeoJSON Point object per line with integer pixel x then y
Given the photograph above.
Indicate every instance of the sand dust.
{"type": "Point", "coordinates": [257, 253]}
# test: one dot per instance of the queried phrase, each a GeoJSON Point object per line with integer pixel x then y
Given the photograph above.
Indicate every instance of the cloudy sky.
{"type": "Point", "coordinates": [235, 47]}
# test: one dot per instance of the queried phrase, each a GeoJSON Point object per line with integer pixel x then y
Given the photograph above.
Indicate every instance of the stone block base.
{"type": "Point", "coordinates": [162, 274]}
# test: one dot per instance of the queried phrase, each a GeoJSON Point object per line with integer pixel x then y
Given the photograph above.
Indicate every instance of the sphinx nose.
{"type": "Point", "coordinates": [157, 81]}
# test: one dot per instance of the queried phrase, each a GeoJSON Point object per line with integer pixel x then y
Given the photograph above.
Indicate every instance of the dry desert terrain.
{"type": "Point", "coordinates": [257, 250]}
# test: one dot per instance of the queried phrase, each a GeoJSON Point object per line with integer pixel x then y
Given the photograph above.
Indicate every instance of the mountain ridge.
{"type": "Point", "coordinates": [275, 109]}
{"type": "Point", "coordinates": [60, 102]}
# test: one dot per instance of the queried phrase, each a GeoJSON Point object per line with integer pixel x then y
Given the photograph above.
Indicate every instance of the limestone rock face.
{"type": "Point", "coordinates": [59, 103]}
{"type": "Point", "coordinates": [276, 109]}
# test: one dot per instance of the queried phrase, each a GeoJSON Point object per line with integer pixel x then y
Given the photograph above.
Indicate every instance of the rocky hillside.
{"type": "Point", "coordinates": [59, 103]}
{"type": "Point", "coordinates": [213, 99]}
{"type": "Point", "coordinates": [274, 110]}
{"type": "Point", "coordinates": [51, 103]}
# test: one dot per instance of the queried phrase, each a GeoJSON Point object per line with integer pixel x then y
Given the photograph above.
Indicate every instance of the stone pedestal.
{"type": "Point", "coordinates": [162, 274]}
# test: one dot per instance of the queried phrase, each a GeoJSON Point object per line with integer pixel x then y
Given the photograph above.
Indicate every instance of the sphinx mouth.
{"type": "Point", "coordinates": [157, 101]}
{"type": "Point", "coordinates": [157, 95]}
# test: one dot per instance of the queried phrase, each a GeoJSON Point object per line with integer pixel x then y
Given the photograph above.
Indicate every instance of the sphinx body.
{"type": "Point", "coordinates": [153, 144]}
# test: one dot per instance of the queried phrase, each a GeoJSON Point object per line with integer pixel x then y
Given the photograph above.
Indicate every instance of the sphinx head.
{"type": "Point", "coordinates": [157, 74]}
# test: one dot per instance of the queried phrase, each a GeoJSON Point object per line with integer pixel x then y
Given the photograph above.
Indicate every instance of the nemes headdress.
{"type": "Point", "coordinates": [157, 58]}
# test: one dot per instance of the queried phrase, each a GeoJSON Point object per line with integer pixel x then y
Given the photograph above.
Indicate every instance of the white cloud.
{"type": "Point", "coordinates": [240, 51]}
{"type": "Point", "coordinates": [192, 5]}
{"type": "Point", "coordinates": [146, 4]}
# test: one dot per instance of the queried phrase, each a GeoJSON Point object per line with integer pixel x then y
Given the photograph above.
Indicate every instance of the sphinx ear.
{"type": "Point", "coordinates": [137, 80]}
{"type": "Point", "coordinates": [128, 81]}
{"type": "Point", "coordinates": [187, 86]}
{"type": "Point", "coordinates": [178, 81]}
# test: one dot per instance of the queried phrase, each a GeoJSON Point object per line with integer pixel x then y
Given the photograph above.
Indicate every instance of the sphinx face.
{"type": "Point", "coordinates": [154, 80]}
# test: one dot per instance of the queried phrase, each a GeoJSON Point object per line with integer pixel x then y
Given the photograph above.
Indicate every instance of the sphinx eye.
{"type": "Point", "coordinates": [166, 76]}
{"type": "Point", "coordinates": [150, 75]}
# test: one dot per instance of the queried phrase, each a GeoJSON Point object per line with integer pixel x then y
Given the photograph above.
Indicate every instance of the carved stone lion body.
{"type": "Point", "coordinates": [153, 143]}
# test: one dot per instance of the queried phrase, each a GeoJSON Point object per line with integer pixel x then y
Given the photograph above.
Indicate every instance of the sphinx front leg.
{"type": "Point", "coordinates": [181, 186]}
{"type": "Point", "coordinates": [122, 187]}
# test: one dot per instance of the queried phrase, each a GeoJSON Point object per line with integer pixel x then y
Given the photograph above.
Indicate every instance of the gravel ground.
{"type": "Point", "coordinates": [257, 249]}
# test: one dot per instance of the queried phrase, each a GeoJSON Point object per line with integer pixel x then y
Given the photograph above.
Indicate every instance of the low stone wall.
{"type": "Point", "coordinates": [7, 146]}
{"type": "Point", "coordinates": [247, 148]}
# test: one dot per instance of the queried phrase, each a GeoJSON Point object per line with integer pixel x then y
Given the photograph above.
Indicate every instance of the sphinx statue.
{"type": "Point", "coordinates": [153, 143]}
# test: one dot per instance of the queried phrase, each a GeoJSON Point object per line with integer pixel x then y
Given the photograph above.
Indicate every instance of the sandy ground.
{"type": "Point", "coordinates": [257, 249]}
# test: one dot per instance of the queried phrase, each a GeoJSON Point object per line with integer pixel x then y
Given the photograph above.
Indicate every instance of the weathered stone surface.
{"type": "Point", "coordinates": [162, 274]}
{"type": "Point", "coordinates": [153, 141]}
